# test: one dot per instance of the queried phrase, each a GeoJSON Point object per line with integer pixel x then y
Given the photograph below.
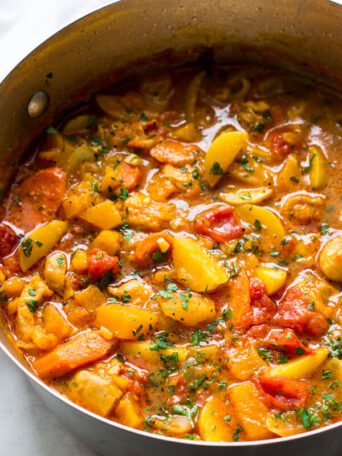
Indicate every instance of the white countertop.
{"type": "Point", "coordinates": [27, 428]}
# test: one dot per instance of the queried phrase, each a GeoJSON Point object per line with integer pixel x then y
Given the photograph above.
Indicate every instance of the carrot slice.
{"type": "Point", "coordinates": [83, 349]}
{"type": "Point", "coordinates": [148, 250]}
{"type": "Point", "coordinates": [174, 153]}
{"type": "Point", "coordinates": [37, 199]}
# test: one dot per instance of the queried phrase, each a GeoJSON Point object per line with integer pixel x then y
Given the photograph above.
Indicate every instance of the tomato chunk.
{"type": "Point", "coordinates": [262, 307]}
{"type": "Point", "coordinates": [219, 224]}
{"type": "Point", "coordinates": [8, 240]}
{"type": "Point", "coordinates": [100, 264]}
{"type": "Point", "coordinates": [149, 250]}
{"type": "Point", "coordinates": [283, 393]}
{"type": "Point", "coordinates": [174, 153]}
{"type": "Point", "coordinates": [288, 341]}
{"type": "Point", "coordinates": [37, 199]}
{"type": "Point", "coordinates": [293, 313]}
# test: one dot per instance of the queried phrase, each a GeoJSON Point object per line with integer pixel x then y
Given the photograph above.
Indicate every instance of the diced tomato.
{"type": "Point", "coordinates": [293, 313]}
{"type": "Point", "coordinates": [219, 224]}
{"type": "Point", "coordinates": [174, 153]}
{"type": "Point", "coordinates": [179, 382]}
{"type": "Point", "coordinates": [100, 263]}
{"type": "Point", "coordinates": [283, 393]}
{"type": "Point", "coordinates": [288, 341]}
{"type": "Point", "coordinates": [129, 176]}
{"type": "Point", "coordinates": [37, 199]}
{"type": "Point", "coordinates": [148, 250]}
{"type": "Point", "coordinates": [262, 307]}
{"type": "Point", "coordinates": [280, 147]}
{"type": "Point", "coordinates": [8, 240]}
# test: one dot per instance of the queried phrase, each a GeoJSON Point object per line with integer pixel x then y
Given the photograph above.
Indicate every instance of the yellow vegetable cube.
{"type": "Point", "coordinates": [301, 367]}
{"type": "Point", "coordinates": [55, 270]}
{"type": "Point", "coordinates": [189, 309]}
{"type": "Point", "coordinates": [79, 261]}
{"type": "Point", "coordinates": [104, 215]}
{"type": "Point", "coordinates": [91, 298]}
{"type": "Point", "coordinates": [319, 168]}
{"type": "Point", "coordinates": [216, 421]}
{"type": "Point", "coordinates": [39, 243]}
{"type": "Point", "coordinates": [222, 153]}
{"type": "Point", "coordinates": [13, 287]}
{"type": "Point", "coordinates": [284, 425]}
{"type": "Point", "coordinates": [128, 412]}
{"type": "Point", "coordinates": [272, 278]}
{"type": "Point", "coordinates": [55, 323]}
{"type": "Point", "coordinates": [108, 240]}
{"type": "Point", "coordinates": [42, 339]}
{"type": "Point", "coordinates": [126, 322]}
{"type": "Point", "coordinates": [250, 410]}
{"type": "Point", "coordinates": [195, 267]}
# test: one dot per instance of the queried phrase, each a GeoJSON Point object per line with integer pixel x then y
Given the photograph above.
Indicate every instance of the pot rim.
{"type": "Point", "coordinates": [34, 378]}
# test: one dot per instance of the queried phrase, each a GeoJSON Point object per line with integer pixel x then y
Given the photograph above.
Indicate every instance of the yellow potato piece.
{"type": "Point", "coordinates": [330, 259]}
{"type": "Point", "coordinates": [79, 261]}
{"type": "Point", "coordinates": [90, 298]}
{"type": "Point", "coordinates": [128, 412]}
{"type": "Point", "coordinates": [39, 243]}
{"type": "Point", "coordinates": [289, 174]}
{"type": "Point", "coordinates": [211, 421]}
{"type": "Point", "coordinates": [55, 270]}
{"type": "Point", "coordinates": [107, 240]}
{"type": "Point", "coordinates": [272, 230]}
{"type": "Point", "coordinates": [242, 196]}
{"type": "Point", "coordinates": [195, 267]}
{"type": "Point", "coordinates": [140, 353]}
{"type": "Point", "coordinates": [300, 367]}
{"type": "Point", "coordinates": [104, 215]}
{"type": "Point", "coordinates": [221, 154]}
{"type": "Point", "coordinates": [272, 278]}
{"type": "Point", "coordinates": [250, 410]}
{"type": "Point", "coordinates": [287, 425]}
{"type": "Point", "coordinates": [319, 168]}
{"type": "Point", "coordinates": [190, 311]}
{"type": "Point", "coordinates": [126, 322]}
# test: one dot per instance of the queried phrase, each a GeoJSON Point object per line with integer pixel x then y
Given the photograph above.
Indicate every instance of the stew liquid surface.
{"type": "Point", "coordinates": [171, 256]}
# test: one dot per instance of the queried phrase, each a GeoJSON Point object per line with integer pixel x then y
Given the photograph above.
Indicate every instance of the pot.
{"type": "Point", "coordinates": [116, 42]}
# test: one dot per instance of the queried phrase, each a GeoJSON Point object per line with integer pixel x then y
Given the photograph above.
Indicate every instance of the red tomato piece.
{"type": "Point", "coordinates": [37, 199]}
{"type": "Point", "coordinates": [288, 341]}
{"type": "Point", "coordinates": [283, 393]}
{"type": "Point", "coordinates": [262, 307]}
{"type": "Point", "coordinates": [219, 224]}
{"type": "Point", "coordinates": [8, 240]}
{"type": "Point", "coordinates": [280, 147]}
{"type": "Point", "coordinates": [293, 313]}
{"type": "Point", "coordinates": [100, 263]}
{"type": "Point", "coordinates": [147, 250]}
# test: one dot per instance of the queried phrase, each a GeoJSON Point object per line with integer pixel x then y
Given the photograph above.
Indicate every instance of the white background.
{"type": "Point", "coordinates": [27, 428]}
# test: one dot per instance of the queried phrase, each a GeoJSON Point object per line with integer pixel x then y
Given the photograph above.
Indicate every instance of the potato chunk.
{"type": "Point", "coordinates": [104, 215]}
{"type": "Point", "coordinates": [90, 298]}
{"type": "Point", "coordinates": [319, 168]}
{"type": "Point", "coordinates": [221, 154]}
{"type": "Point", "coordinates": [330, 259]}
{"type": "Point", "coordinates": [195, 267]}
{"type": "Point", "coordinates": [250, 410]}
{"type": "Point", "coordinates": [125, 322]}
{"type": "Point", "coordinates": [216, 420]}
{"type": "Point", "coordinates": [107, 240]}
{"type": "Point", "coordinates": [272, 278]}
{"type": "Point", "coordinates": [39, 243]}
{"type": "Point", "coordinates": [95, 393]}
{"type": "Point", "coordinates": [128, 412]}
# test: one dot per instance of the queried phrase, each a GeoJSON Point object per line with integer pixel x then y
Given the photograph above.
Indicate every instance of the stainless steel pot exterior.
{"type": "Point", "coordinates": [290, 32]}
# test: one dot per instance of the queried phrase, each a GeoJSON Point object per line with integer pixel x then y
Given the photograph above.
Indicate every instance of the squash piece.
{"type": "Point", "coordinates": [95, 393]}
{"type": "Point", "coordinates": [300, 367]}
{"type": "Point", "coordinates": [319, 168]}
{"type": "Point", "coordinates": [272, 230]}
{"type": "Point", "coordinates": [107, 240]}
{"type": "Point", "coordinates": [39, 242]}
{"type": "Point", "coordinates": [272, 278]}
{"type": "Point", "coordinates": [13, 287]}
{"type": "Point", "coordinates": [55, 323]}
{"type": "Point", "coordinates": [55, 271]}
{"type": "Point", "coordinates": [79, 261]}
{"type": "Point", "coordinates": [126, 322]}
{"type": "Point", "coordinates": [289, 175]}
{"type": "Point", "coordinates": [188, 309]}
{"type": "Point", "coordinates": [80, 197]}
{"type": "Point", "coordinates": [252, 195]}
{"type": "Point", "coordinates": [285, 426]}
{"type": "Point", "coordinates": [104, 215]}
{"type": "Point", "coordinates": [216, 421]}
{"type": "Point", "coordinates": [140, 353]}
{"type": "Point", "coordinates": [195, 267]}
{"type": "Point", "coordinates": [250, 410]}
{"type": "Point", "coordinates": [90, 298]}
{"type": "Point", "coordinates": [128, 412]}
{"type": "Point", "coordinates": [221, 154]}
{"type": "Point", "coordinates": [244, 360]}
